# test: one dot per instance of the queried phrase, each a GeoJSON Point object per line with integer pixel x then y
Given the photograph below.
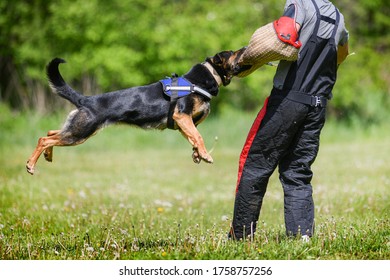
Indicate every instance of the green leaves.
{"type": "Point", "coordinates": [123, 43]}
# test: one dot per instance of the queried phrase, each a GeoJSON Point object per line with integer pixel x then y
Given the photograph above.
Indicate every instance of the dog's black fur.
{"type": "Point", "coordinates": [143, 106]}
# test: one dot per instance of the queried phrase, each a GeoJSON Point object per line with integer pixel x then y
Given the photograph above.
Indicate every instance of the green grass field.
{"type": "Point", "coordinates": [131, 194]}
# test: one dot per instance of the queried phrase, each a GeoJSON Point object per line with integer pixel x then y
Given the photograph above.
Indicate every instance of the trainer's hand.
{"type": "Point", "coordinates": [342, 53]}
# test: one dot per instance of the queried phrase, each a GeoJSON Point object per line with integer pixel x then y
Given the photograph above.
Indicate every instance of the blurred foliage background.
{"type": "Point", "coordinates": [122, 43]}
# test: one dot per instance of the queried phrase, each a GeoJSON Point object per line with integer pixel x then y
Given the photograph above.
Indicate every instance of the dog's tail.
{"type": "Point", "coordinates": [58, 84]}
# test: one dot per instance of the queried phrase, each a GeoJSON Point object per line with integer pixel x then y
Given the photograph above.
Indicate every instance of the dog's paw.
{"type": "Point", "coordinates": [207, 158]}
{"type": "Point", "coordinates": [195, 156]}
{"type": "Point", "coordinates": [48, 154]}
{"type": "Point", "coordinates": [30, 168]}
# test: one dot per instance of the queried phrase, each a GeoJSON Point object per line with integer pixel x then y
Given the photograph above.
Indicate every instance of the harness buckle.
{"type": "Point", "coordinates": [317, 101]}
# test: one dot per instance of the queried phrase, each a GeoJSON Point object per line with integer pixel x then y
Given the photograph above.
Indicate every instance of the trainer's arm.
{"type": "Point", "coordinates": [342, 53]}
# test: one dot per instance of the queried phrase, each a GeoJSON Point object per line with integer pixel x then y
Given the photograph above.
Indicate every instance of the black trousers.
{"type": "Point", "coordinates": [288, 137]}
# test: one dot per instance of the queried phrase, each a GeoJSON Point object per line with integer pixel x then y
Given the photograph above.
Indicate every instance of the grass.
{"type": "Point", "coordinates": [131, 194]}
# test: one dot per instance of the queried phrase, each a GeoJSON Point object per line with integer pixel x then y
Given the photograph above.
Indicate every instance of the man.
{"type": "Point", "coordinates": [287, 130]}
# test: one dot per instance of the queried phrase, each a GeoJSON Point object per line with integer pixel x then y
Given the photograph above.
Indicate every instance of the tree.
{"type": "Point", "coordinates": [123, 43]}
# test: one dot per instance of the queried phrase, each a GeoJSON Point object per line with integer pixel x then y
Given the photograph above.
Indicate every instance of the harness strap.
{"type": "Point", "coordinates": [311, 100]}
{"type": "Point", "coordinates": [328, 19]}
{"type": "Point", "coordinates": [174, 88]}
{"type": "Point", "coordinates": [170, 120]}
{"type": "Point", "coordinates": [311, 79]}
{"type": "Point", "coordinates": [174, 95]}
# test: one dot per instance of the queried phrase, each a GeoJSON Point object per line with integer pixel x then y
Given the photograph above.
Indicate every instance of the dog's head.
{"type": "Point", "coordinates": [224, 63]}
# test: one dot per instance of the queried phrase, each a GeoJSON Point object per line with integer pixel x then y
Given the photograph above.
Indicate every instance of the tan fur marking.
{"type": "Point", "coordinates": [189, 131]}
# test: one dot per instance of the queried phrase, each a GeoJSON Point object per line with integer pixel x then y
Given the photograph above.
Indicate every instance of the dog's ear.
{"type": "Point", "coordinates": [214, 60]}
{"type": "Point", "coordinates": [225, 56]}
{"type": "Point", "coordinates": [220, 62]}
{"type": "Point", "coordinates": [217, 59]}
{"type": "Point", "coordinates": [220, 58]}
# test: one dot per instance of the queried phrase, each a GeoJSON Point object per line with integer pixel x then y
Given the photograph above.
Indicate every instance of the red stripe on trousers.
{"type": "Point", "coordinates": [249, 140]}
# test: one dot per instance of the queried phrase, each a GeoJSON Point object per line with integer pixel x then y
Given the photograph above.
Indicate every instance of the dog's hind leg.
{"type": "Point", "coordinates": [48, 153]}
{"type": "Point", "coordinates": [44, 143]}
{"type": "Point", "coordinates": [47, 143]}
{"type": "Point", "coordinates": [189, 131]}
{"type": "Point", "coordinates": [80, 125]}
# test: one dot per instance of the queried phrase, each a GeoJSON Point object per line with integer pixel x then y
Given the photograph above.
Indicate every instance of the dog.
{"type": "Point", "coordinates": [144, 106]}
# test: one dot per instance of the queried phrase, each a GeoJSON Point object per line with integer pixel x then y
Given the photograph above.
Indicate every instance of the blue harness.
{"type": "Point", "coordinates": [177, 87]}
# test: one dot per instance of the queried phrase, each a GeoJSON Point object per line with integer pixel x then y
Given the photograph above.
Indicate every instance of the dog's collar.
{"type": "Point", "coordinates": [213, 72]}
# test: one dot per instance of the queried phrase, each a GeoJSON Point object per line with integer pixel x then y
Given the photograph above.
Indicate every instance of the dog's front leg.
{"type": "Point", "coordinates": [189, 131]}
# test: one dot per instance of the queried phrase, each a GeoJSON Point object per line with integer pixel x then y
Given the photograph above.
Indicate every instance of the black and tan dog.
{"type": "Point", "coordinates": [144, 106]}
